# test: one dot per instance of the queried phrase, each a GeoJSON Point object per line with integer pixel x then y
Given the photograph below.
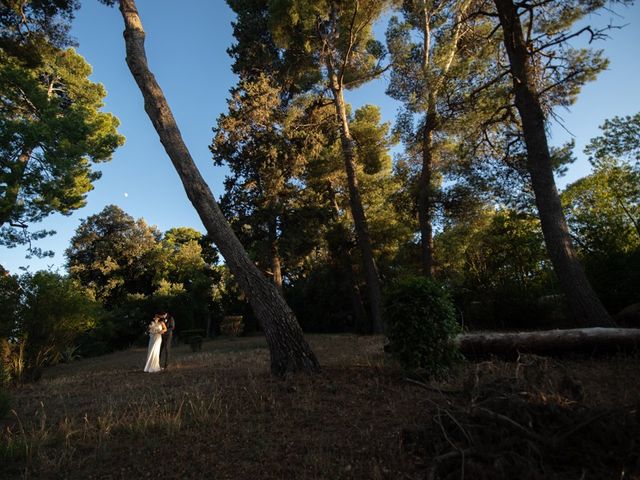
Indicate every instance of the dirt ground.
{"type": "Point", "coordinates": [218, 414]}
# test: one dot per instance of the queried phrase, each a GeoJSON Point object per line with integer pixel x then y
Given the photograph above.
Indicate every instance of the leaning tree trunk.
{"type": "Point", "coordinates": [357, 211]}
{"type": "Point", "coordinates": [289, 350]}
{"type": "Point", "coordinates": [584, 305]}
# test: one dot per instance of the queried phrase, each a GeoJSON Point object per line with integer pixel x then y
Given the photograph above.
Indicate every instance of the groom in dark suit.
{"type": "Point", "coordinates": [167, 337]}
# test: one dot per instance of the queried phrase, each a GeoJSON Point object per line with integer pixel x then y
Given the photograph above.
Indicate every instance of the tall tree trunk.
{"type": "Point", "coordinates": [425, 197]}
{"type": "Point", "coordinates": [276, 268]}
{"type": "Point", "coordinates": [357, 211]}
{"type": "Point", "coordinates": [585, 307]}
{"type": "Point", "coordinates": [8, 201]}
{"type": "Point", "coordinates": [361, 324]}
{"type": "Point", "coordinates": [208, 323]}
{"type": "Point", "coordinates": [433, 82]}
{"type": "Point", "coordinates": [289, 350]}
{"type": "Point", "coordinates": [424, 184]}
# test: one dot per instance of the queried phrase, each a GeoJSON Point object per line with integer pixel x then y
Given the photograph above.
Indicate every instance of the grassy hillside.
{"type": "Point", "coordinates": [219, 414]}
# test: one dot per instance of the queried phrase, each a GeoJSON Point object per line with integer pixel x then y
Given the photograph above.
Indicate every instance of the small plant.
{"type": "Point", "coordinates": [421, 326]}
{"type": "Point", "coordinates": [70, 353]}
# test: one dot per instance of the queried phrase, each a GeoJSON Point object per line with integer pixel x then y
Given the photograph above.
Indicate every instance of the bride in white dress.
{"type": "Point", "coordinates": [156, 329]}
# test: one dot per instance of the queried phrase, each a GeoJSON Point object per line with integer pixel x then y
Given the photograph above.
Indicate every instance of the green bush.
{"type": "Point", "coordinates": [54, 313]}
{"type": "Point", "coordinates": [421, 326]}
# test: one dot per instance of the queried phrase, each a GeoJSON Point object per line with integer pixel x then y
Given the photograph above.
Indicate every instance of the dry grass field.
{"type": "Point", "coordinates": [218, 414]}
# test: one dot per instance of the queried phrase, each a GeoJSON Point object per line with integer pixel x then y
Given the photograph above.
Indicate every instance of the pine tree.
{"type": "Point", "coordinates": [53, 131]}
{"type": "Point", "coordinates": [338, 37]}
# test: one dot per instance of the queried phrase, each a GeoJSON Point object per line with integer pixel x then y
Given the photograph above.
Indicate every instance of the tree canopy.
{"type": "Point", "coordinates": [52, 129]}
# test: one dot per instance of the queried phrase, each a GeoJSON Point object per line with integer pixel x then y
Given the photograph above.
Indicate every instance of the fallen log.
{"type": "Point", "coordinates": [590, 341]}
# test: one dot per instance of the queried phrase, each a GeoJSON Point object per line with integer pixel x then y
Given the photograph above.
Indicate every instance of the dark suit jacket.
{"type": "Point", "coordinates": [171, 324]}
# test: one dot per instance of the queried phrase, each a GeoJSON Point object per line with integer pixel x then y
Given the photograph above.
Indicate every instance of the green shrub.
{"type": "Point", "coordinates": [55, 311]}
{"type": "Point", "coordinates": [421, 326]}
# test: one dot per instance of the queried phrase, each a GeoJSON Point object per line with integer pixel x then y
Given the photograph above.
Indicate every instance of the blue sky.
{"type": "Point", "coordinates": [186, 46]}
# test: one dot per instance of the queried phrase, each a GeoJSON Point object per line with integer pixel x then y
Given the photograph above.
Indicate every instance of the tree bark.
{"type": "Point", "coordinates": [584, 305]}
{"type": "Point", "coordinates": [579, 340]}
{"type": "Point", "coordinates": [433, 80]}
{"type": "Point", "coordinates": [357, 211]}
{"type": "Point", "coordinates": [208, 323]}
{"type": "Point", "coordinates": [276, 268]}
{"type": "Point", "coordinates": [360, 323]}
{"type": "Point", "coordinates": [425, 197]}
{"type": "Point", "coordinates": [360, 315]}
{"type": "Point", "coordinates": [424, 184]}
{"type": "Point", "coordinates": [289, 350]}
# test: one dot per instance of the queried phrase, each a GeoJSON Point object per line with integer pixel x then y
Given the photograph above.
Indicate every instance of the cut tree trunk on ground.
{"type": "Point", "coordinates": [550, 342]}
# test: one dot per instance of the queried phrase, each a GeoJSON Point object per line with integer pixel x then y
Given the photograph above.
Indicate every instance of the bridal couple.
{"type": "Point", "coordinates": [160, 335]}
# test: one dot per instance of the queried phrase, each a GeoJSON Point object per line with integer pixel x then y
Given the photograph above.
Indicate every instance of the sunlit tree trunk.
{"type": "Point", "coordinates": [276, 267]}
{"type": "Point", "coordinates": [289, 350]}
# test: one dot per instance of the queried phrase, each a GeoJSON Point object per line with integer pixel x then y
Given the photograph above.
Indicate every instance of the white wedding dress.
{"type": "Point", "coordinates": [153, 352]}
